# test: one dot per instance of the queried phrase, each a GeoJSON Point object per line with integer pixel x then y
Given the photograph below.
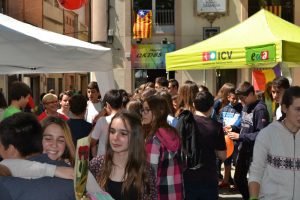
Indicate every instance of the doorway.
{"type": "Point", "coordinates": [142, 76]}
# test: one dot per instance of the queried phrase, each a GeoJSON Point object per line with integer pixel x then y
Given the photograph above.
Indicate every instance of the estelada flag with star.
{"type": "Point", "coordinates": [142, 27]}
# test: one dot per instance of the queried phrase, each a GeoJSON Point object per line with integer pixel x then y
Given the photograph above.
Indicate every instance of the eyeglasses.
{"type": "Point", "coordinates": [145, 111]}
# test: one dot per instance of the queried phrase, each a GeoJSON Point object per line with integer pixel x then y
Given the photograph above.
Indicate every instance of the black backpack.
{"type": "Point", "coordinates": [190, 140]}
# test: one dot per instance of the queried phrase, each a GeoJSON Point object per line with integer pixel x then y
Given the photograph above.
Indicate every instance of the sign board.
{"type": "Point", "coordinates": [261, 54]}
{"type": "Point", "coordinates": [150, 56]}
{"type": "Point", "coordinates": [211, 6]}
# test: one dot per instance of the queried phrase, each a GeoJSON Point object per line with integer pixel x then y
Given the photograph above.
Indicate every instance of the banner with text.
{"type": "Point", "coordinates": [261, 54]}
{"type": "Point", "coordinates": [150, 56]}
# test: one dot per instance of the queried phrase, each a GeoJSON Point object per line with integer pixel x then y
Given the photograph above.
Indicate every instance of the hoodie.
{"type": "Point", "coordinates": [168, 139]}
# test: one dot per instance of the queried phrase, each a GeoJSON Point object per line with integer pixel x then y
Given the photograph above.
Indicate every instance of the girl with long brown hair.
{"type": "Point", "coordinates": [163, 147]}
{"type": "Point", "coordinates": [186, 94]}
{"type": "Point", "coordinates": [123, 171]}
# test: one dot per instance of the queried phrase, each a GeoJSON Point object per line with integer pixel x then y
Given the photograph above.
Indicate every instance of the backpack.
{"type": "Point", "coordinates": [190, 135]}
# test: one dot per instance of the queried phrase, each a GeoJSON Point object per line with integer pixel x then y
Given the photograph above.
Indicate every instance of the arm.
{"type": "Point", "coordinates": [153, 153]}
{"type": "Point", "coordinates": [220, 148]}
{"type": "Point", "coordinates": [94, 147]}
{"type": "Point", "coordinates": [31, 169]}
{"type": "Point", "coordinates": [95, 135]}
{"type": "Point", "coordinates": [254, 189]}
{"type": "Point", "coordinates": [258, 165]}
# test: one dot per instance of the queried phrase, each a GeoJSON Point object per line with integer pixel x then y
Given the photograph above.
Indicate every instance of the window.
{"type": "Point", "coordinates": [163, 10]}
{"type": "Point", "coordinates": [50, 83]}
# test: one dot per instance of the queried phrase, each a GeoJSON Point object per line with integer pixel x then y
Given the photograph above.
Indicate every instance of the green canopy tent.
{"type": "Point", "coordinates": [260, 41]}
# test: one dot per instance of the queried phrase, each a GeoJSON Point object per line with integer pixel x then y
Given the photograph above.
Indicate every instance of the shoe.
{"type": "Point", "coordinates": [224, 185]}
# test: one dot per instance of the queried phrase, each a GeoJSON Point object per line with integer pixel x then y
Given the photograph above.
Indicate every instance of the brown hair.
{"type": "Point", "coordinates": [160, 110]}
{"type": "Point", "coordinates": [136, 168]}
{"type": "Point", "coordinates": [69, 153]}
{"type": "Point", "coordinates": [4, 171]}
{"type": "Point", "coordinates": [186, 95]}
{"type": "Point", "coordinates": [223, 94]}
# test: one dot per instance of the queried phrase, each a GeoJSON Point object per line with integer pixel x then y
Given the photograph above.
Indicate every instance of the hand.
{"type": "Point", "coordinates": [227, 129]}
{"type": "Point", "coordinates": [64, 172]}
{"type": "Point", "coordinates": [233, 135]}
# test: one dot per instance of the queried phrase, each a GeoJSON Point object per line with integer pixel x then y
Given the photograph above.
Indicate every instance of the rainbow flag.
{"type": "Point", "coordinates": [142, 28]}
{"type": "Point", "coordinates": [261, 77]}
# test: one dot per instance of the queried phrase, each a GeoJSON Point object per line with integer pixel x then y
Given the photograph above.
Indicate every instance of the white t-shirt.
{"type": "Point", "coordinates": [278, 113]}
{"type": "Point", "coordinates": [92, 110]}
{"type": "Point", "coordinates": [100, 132]}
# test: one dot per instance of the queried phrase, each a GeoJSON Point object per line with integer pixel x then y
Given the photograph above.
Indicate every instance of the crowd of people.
{"type": "Point", "coordinates": [164, 141]}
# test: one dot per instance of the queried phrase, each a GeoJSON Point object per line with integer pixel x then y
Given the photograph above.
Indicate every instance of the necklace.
{"type": "Point", "coordinates": [285, 126]}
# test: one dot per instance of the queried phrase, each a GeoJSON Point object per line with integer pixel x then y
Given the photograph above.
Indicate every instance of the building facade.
{"type": "Point", "coordinates": [176, 22]}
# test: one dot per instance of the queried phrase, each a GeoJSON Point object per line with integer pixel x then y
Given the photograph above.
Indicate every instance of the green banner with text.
{"type": "Point", "coordinates": [261, 54]}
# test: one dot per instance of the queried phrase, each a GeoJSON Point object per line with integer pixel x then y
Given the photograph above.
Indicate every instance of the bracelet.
{"type": "Point", "coordinates": [253, 198]}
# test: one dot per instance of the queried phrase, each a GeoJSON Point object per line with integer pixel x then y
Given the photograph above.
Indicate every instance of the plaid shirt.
{"type": "Point", "coordinates": [168, 169]}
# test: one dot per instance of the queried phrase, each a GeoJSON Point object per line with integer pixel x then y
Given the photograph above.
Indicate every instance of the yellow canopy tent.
{"type": "Point", "coordinates": [260, 41]}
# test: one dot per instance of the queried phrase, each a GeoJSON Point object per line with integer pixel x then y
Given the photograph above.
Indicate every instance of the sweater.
{"type": "Point", "coordinates": [254, 118]}
{"type": "Point", "coordinates": [276, 163]}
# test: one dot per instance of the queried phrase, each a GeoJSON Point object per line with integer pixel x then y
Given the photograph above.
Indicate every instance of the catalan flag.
{"type": "Point", "coordinates": [142, 28]}
{"type": "Point", "coordinates": [275, 9]}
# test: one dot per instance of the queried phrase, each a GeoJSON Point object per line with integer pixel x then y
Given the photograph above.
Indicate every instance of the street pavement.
{"type": "Point", "coordinates": [229, 194]}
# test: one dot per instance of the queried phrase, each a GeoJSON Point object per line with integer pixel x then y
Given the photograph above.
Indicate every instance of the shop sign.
{"type": "Point", "coordinates": [211, 6]}
{"type": "Point", "coordinates": [214, 55]}
{"type": "Point", "coordinates": [150, 56]}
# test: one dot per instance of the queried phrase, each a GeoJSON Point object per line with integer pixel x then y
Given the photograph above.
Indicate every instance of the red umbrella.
{"type": "Point", "coordinates": [72, 4]}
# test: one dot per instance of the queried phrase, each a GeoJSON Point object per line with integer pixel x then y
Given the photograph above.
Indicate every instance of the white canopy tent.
{"type": "Point", "coordinates": [26, 49]}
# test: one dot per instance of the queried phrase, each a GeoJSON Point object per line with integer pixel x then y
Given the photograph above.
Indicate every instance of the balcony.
{"type": "Point", "coordinates": [163, 21]}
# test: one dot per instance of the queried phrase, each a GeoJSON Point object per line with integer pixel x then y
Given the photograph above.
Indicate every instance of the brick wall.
{"type": "Point", "coordinates": [29, 11]}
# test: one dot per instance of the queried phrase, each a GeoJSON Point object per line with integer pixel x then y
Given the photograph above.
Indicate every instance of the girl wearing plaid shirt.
{"type": "Point", "coordinates": [162, 147]}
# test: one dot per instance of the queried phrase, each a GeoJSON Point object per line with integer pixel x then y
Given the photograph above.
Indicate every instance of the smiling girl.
{"type": "Point", "coordinates": [57, 140]}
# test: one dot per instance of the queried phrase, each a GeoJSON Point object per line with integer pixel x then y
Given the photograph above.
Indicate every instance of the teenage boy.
{"type": "Point", "coordinates": [161, 83]}
{"type": "Point", "coordinates": [279, 85]}
{"type": "Point", "coordinates": [201, 182]}
{"type": "Point", "coordinates": [254, 118]}
{"type": "Point", "coordinates": [173, 87]}
{"type": "Point", "coordinates": [94, 105]}
{"type": "Point", "coordinates": [78, 126]}
{"type": "Point", "coordinates": [19, 94]}
{"type": "Point", "coordinates": [21, 138]}
{"type": "Point", "coordinates": [112, 103]}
